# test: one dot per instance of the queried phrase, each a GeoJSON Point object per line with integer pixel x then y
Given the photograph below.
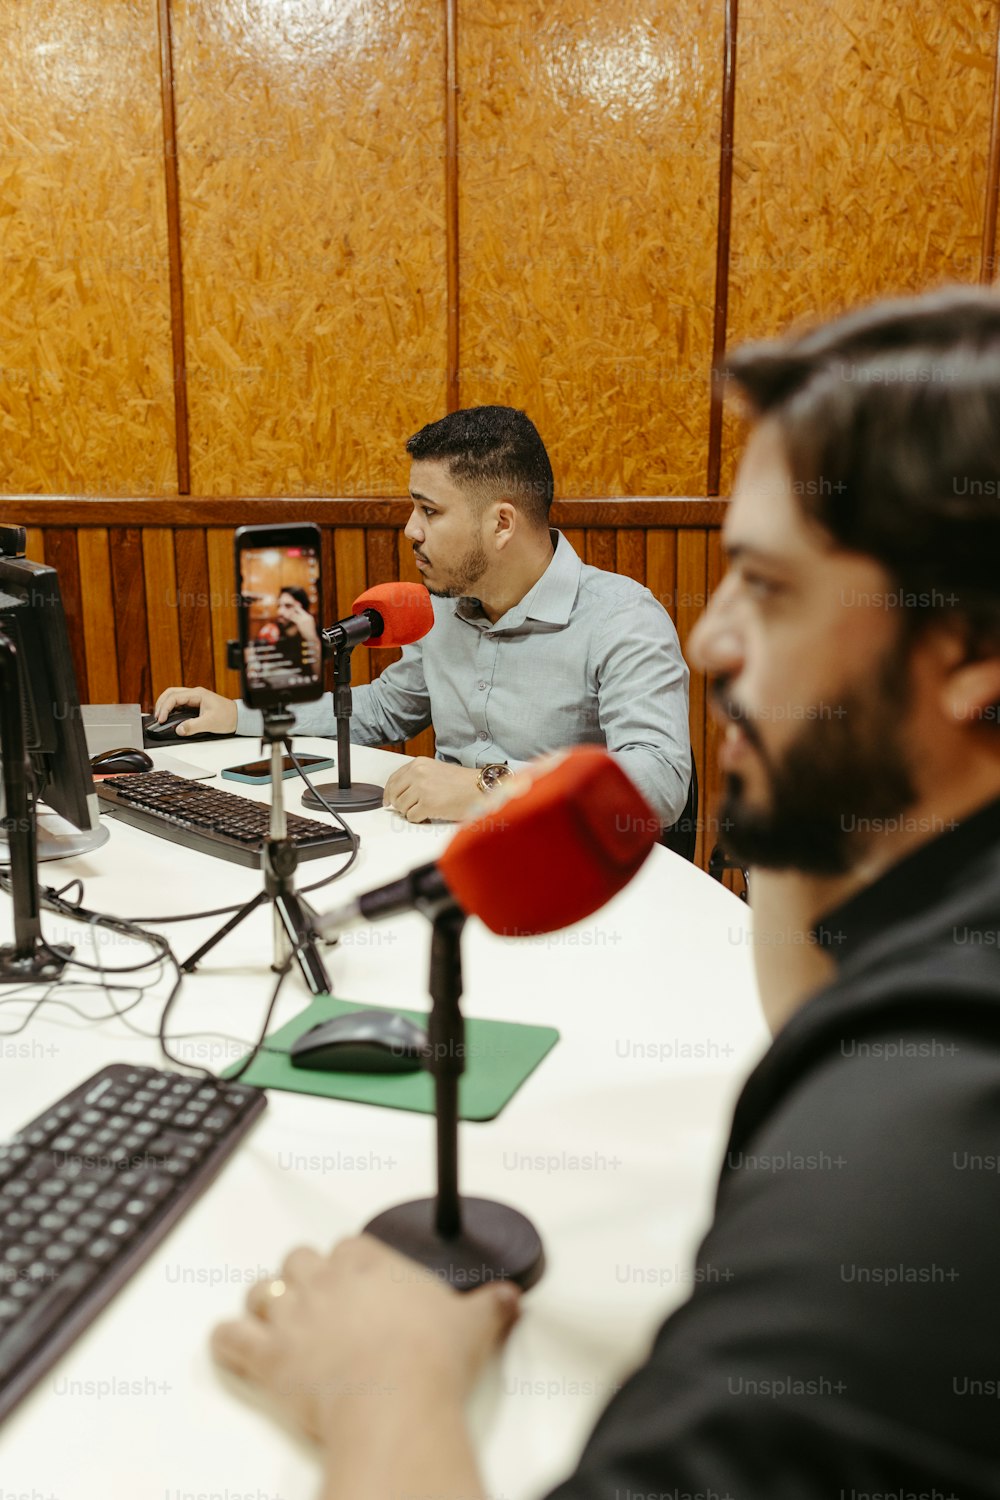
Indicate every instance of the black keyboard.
{"type": "Point", "coordinates": [86, 1192]}
{"type": "Point", "coordinates": [208, 819]}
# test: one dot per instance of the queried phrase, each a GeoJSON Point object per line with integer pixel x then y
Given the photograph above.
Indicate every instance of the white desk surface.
{"type": "Point", "coordinates": [612, 1147]}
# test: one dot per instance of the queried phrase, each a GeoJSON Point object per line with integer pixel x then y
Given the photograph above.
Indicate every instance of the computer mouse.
{"type": "Point", "coordinates": [365, 1041]}
{"type": "Point", "coordinates": [162, 734]}
{"type": "Point", "coordinates": [121, 762]}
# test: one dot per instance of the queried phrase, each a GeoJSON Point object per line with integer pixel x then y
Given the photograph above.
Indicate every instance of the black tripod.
{"type": "Point", "coordinates": [293, 917]}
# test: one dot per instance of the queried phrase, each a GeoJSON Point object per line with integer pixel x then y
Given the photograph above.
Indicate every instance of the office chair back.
{"type": "Point", "coordinates": [682, 836]}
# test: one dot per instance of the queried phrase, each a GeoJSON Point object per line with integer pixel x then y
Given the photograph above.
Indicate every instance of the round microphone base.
{"type": "Point", "coordinates": [361, 797]}
{"type": "Point", "coordinates": [496, 1243]}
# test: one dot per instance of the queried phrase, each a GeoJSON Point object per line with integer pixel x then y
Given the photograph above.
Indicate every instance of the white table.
{"type": "Point", "coordinates": [612, 1148]}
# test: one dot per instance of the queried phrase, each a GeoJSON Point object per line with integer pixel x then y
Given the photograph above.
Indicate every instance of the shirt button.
{"type": "Point", "coordinates": [482, 735]}
{"type": "Point", "coordinates": [482, 687]}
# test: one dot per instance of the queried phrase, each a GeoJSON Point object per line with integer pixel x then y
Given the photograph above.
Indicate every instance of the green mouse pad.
{"type": "Point", "coordinates": [499, 1056]}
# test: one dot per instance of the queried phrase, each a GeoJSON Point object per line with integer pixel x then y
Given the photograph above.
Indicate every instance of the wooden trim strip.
{"type": "Point", "coordinates": [453, 356]}
{"type": "Point", "coordinates": [82, 510]}
{"type": "Point", "coordinates": [722, 243]}
{"type": "Point", "coordinates": [174, 261]}
{"type": "Point", "coordinates": [987, 253]}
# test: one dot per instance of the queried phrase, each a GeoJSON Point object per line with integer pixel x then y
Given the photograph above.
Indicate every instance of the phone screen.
{"type": "Point", "coordinates": [278, 578]}
{"type": "Point", "coordinates": [260, 770]}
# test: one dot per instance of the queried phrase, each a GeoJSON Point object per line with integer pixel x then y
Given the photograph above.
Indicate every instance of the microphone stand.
{"type": "Point", "coordinates": [465, 1241]}
{"type": "Point", "coordinates": [362, 796]}
{"type": "Point", "coordinates": [294, 918]}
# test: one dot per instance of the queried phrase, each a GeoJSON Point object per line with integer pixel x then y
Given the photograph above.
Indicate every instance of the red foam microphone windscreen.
{"type": "Point", "coordinates": [555, 854]}
{"type": "Point", "coordinates": [406, 610]}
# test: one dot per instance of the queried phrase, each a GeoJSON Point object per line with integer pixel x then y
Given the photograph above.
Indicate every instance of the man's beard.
{"type": "Point", "coordinates": [465, 573]}
{"type": "Point", "coordinates": [833, 786]}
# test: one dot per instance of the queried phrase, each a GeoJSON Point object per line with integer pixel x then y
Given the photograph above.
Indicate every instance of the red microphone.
{"type": "Point", "coordinates": [390, 614]}
{"type": "Point", "coordinates": [539, 862]}
{"type": "Point", "coordinates": [400, 613]}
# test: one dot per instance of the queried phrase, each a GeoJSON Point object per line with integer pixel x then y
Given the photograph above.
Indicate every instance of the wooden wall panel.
{"type": "Point", "coordinates": [588, 161]}
{"type": "Point", "coordinates": [134, 681]}
{"type": "Point", "coordinates": [86, 401]}
{"type": "Point", "coordinates": [160, 570]}
{"type": "Point", "coordinates": [61, 553]}
{"type": "Point", "coordinates": [351, 569]}
{"type": "Point", "coordinates": [311, 176]}
{"type": "Point", "coordinates": [34, 543]}
{"type": "Point", "coordinates": [194, 598]}
{"type": "Point", "coordinates": [222, 592]}
{"type": "Point", "coordinates": [861, 148]}
{"type": "Point", "coordinates": [692, 590]}
{"type": "Point", "coordinates": [99, 614]}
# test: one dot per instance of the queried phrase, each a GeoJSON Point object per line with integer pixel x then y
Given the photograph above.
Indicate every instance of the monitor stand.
{"type": "Point", "coordinates": [58, 838]}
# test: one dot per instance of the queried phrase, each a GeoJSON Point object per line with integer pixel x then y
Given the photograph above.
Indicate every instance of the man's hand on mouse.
{"type": "Point", "coordinates": [365, 1350]}
{"type": "Point", "coordinates": [216, 714]}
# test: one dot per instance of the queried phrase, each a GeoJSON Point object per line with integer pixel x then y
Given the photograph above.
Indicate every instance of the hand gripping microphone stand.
{"type": "Point", "coordinates": [294, 918]}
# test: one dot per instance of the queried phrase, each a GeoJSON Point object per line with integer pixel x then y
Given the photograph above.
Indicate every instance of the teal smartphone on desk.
{"type": "Point", "coordinates": [257, 772]}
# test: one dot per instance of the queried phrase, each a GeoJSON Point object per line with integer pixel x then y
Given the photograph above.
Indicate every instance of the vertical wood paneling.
{"type": "Point", "coordinates": [34, 543]}
{"type": "Point", "coordinates": [134, 681]}
{"type": "Point", "coordinates": [711, 776]}
{"type": "Point", "coordinates": [630, 554]}
{"type": "Point", "coordinates": [577, 540]}
{"type": "Point", "coordinates": [351, 571]}
{"type": "Point", "coordinates": [589, 156]}
{"type": "Point", "coordinates": [691, 594]}
{"type": "Point", "coordinates": [194, 600]}
{"type": "Point", "coordinates": [99, 628]}
{"type": "Point", "coordinates": [160, 573]}
{"type": "Point", "coordinates": [311, 174]}
{"type": "Point", "coordinates": [222, 593]}
{"type": "Point", "coordinates": [600, 549]}
{"type": "Point", "coordinates": [661, 568]}
{"type": "Point", "coordinates": [381, 566]}
{"type": "Point", "coordinates": [61, 554]}
{"type": "Point", "coordinates": [86, 401]}
{"type": "Point", "coordinates": [861, 151]}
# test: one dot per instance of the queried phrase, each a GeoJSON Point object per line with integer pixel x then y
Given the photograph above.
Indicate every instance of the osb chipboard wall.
{"type": "Point", "coordinates": [348, 215]}
{"type": "Point", "coordinates": [861, 160]}
{"type": "Point", "coordinates": [311, 176]}
{"type": "Point", "coordinates": [589, 164]}
{"type": "Point", "coordinates": [86, 398]}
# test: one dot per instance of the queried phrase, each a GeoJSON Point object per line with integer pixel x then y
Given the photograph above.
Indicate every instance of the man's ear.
{"type": "Point", "coordinates": [505, 519]}
{"type": "Point", "coordinates": [972, 691]}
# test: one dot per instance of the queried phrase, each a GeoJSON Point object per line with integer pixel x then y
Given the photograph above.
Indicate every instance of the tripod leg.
{"type": "Point", "coordinates": [192, 963]}
{"type": "Point", "coordinates": [289, 909]}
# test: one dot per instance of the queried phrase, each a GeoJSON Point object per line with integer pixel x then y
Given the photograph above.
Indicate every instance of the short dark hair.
{"type": "Point", "coordinates": [298, 594]}
{"type": "Point", "coordinates": [497, 451]}
{"type": "Point", "coordinates": [890, 419]}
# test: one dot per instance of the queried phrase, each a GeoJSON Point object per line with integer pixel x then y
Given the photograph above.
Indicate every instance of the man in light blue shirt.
{"type": "Point", "coordinates": [531, 650]}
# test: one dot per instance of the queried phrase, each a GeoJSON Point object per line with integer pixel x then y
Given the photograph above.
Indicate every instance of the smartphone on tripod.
{"type": "Point", "coordinates": [280, 606]}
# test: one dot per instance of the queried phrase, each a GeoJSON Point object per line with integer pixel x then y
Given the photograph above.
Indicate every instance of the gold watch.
{"type": "Point", "coordinates": [489, 776]}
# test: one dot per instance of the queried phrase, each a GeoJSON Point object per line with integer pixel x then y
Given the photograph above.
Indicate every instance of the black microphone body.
{"type": "Point", "coordinates": [423, 889]}
{"type": "Point", "coordinates": [355, 630]}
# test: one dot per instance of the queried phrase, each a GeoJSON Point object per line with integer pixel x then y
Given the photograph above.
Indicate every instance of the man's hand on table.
{"type": "Point", "coordinates": [425, 789]}
{"type": "Point", "coordinates": [374, 1357]}
{"type": "Point", "coordinates": [216, 714]}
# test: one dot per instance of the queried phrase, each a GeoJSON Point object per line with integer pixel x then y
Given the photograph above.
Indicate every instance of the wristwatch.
{"type": "Point", "coordinates": [489, 776]}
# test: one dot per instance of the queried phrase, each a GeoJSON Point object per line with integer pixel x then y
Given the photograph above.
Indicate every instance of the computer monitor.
{"type": "Point", "coordinates": [31, 616]}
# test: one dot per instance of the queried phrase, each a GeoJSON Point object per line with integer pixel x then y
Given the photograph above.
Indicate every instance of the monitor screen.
{"type": "Point", "coordinates": [31, 616]}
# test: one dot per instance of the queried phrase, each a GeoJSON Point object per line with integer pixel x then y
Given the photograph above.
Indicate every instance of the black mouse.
{"type": "Point", "coordinates": [120, 762]}
{"type": "Point", "coordinates": [162, 734]}
{"type": "Point", "coordinates": [365, 1041]}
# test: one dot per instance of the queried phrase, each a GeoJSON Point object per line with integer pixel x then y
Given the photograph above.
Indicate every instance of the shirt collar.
{"type": "Point", "coordinates": [957, 859]}
{"type": "Point", "coordinates": [550, 600]}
